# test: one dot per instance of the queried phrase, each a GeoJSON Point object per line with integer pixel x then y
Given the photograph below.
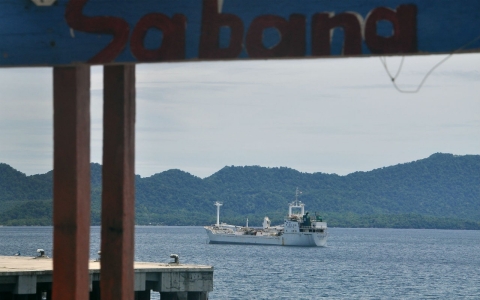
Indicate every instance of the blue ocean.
{"type": "Point", "coordinates": [356, 264]}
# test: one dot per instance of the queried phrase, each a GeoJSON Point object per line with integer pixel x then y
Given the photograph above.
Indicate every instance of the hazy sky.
{"type": "Point", "coordinates": [312, 115]}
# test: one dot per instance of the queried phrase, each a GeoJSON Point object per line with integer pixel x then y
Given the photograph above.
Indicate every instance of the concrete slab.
{"type": "Point", "coordinates": [22, 275]}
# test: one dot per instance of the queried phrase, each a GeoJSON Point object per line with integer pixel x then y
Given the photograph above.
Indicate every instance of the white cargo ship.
{"type": "Point", "coordinates": [298, 229]}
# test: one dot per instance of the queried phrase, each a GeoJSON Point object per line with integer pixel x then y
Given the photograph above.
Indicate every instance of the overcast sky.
{"type": "Point", "coordinates": [313, 115]}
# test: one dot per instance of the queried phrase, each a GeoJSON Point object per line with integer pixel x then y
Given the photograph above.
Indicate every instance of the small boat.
{"type": "Point", "coordinates": [298, 229]}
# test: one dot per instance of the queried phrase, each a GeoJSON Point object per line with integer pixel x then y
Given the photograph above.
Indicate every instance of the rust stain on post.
{"type": "Point", "coordinates": [118, 198]}
{"type": "Point", "coordinates": [71, 182]}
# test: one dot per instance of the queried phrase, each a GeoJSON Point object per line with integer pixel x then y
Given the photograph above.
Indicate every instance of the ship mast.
{"type": "Point", "coordinates": [218, 204]}
{"type": "Point", "coordinates": [296, 204]}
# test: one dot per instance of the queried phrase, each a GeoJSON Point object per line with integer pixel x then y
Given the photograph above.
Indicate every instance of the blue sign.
{"type": "Point", "coordinates": [130, 31]}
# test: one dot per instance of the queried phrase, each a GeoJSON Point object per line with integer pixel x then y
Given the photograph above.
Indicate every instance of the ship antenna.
{"type": "Point", "coordinates": [297, 192]}
{"type": "Point", "coordinates": [218, 204]}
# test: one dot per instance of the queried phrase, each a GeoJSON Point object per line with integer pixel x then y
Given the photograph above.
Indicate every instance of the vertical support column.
{"type": "Point", "coordinates": [95, 293]}
{"type": "Point", "coordinates": [6, 295]}
{"type": "Point", "coordinates": [25, 297]}
{"type": "Point", "coordinates": [71, 182]}
{"type": "Point", "coordinates": [142, 295]}
{"type": "Point", "coordinates": [49, 295]}
{"type": "Point", "coordinates": [117, 275]}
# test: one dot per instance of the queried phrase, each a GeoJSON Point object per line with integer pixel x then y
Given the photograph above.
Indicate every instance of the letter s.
{"type": "Point", "coordinates": [108, 25]}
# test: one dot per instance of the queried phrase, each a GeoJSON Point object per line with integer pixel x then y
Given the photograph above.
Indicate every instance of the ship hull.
{"type": "Point", "coordinates": [286, 239]}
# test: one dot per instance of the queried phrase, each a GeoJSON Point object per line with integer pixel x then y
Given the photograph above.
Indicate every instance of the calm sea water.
{"type": "Point", "coordinates": [357, 264]}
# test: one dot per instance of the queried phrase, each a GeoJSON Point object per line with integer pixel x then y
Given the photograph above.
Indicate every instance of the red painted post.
{"type": "Point", "coordinates": [71, 182]}
{"type": "Point", "coordinates": [118, 198]}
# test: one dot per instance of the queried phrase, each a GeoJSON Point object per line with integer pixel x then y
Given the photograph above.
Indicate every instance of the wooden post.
{"type": "Point", "coordinates": [71, 182]}
{"type": "Point", "coordinates": [116, 275]}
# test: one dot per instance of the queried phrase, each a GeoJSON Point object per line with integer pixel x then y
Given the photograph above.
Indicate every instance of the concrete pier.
{"type": "Point", "coordinates": [30, 278]}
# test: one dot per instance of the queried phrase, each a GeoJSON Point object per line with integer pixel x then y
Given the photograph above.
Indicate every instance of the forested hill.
{"type": "Point", "coordinates": [441, 191]}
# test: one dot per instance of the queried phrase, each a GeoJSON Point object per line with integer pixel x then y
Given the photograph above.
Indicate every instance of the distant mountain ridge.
{"type": "Point", "coordinates": [441, 191]}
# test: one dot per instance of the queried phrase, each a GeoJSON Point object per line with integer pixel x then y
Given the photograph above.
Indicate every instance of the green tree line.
{"type": "Point", "coordinates": [441, 191]}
